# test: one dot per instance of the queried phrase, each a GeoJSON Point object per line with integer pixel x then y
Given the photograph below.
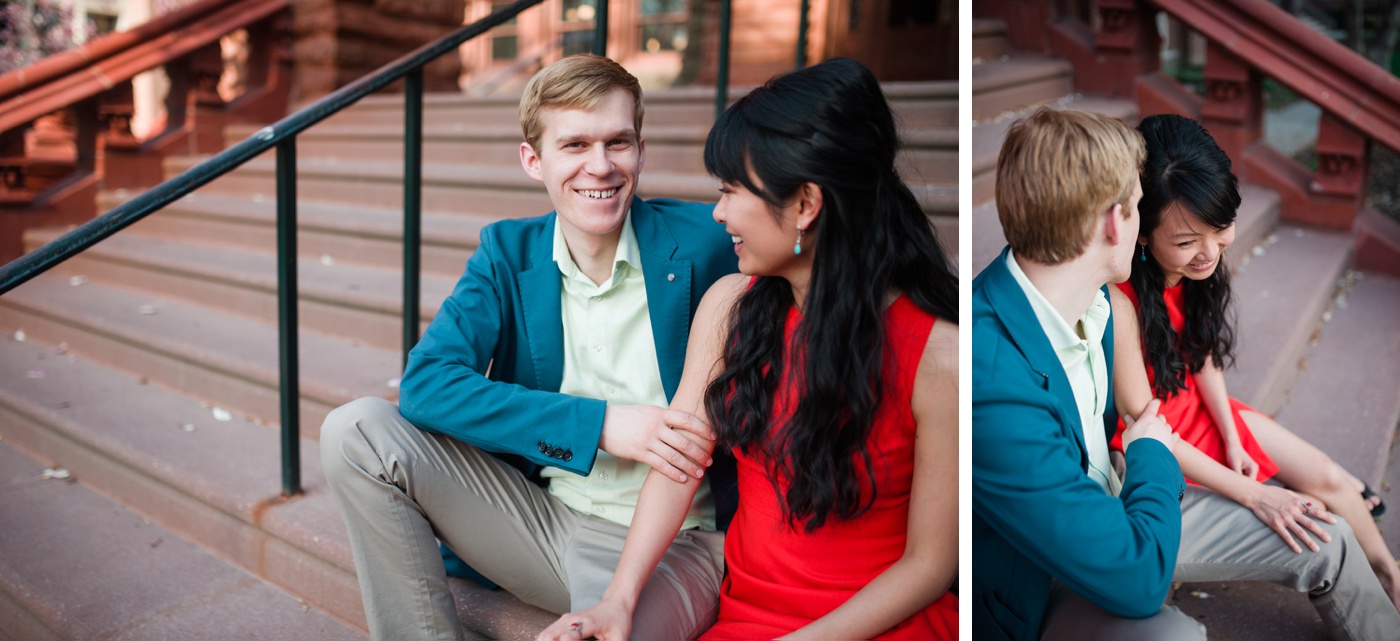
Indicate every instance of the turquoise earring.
{"type": "Point", "coordinates": [1143, 258]}
{"type": "Point", "coordinates": [797, 249]}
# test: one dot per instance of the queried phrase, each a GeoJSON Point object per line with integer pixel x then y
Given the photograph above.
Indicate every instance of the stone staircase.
{"type": "Point", "coordinates": [1317, 342]}
{"type": "Point", "coordinates": [147, 368]}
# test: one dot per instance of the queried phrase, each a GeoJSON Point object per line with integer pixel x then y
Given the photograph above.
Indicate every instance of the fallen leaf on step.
{"type": "Point", "coordinates": [77, 280]}
{"type": "Point", "coordinates": [19, 336]}
{"type": "Point", "coordinates": [1200, 594]}
{"type": "Point", "coordinates": [156, 543]}
{"type": "Point", "coordinates": [56, 473]}
{"type": "Point", "coordinates": [222, 415]}
{"type": "Point", "coordinates": [147, 310]}
{"type": "Point", "coordinates": [327, 260]}
{"type": "Point", "coordinates": [188, 427]}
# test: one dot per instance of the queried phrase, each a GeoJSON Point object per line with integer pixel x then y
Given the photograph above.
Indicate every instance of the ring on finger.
{"type": "Point", "coordinates": [1307, 506]}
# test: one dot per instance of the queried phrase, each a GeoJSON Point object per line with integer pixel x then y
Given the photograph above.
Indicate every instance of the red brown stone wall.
{"type": "Point", "coordinates": [339, 41]}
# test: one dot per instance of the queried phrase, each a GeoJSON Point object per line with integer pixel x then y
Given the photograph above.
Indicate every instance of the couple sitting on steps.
{"type": "Point", "coordinates": [638, 390]}
{"type": "Point", "coordinates": [1112, 299]}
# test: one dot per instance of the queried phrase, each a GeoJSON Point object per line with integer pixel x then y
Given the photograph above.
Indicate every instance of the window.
{"type": "Point", "coordinates": [663, 25]}
{"type": "Point", "coordinates": [505, 44]}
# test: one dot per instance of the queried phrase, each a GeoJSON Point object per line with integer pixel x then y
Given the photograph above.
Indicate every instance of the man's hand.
{"type": "Point", "coordinates": [1149, 424]}
{"type": "Point", "coordinates": [658, 437]}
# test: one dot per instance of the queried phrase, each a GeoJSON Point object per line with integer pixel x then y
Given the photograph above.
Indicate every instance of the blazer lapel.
{"type": "Point", "coordinates": [539, 290]}
{"type": "Point", "coordinates": [1011, 306]}
{"type": "Point", "coordinates": [668, 283]}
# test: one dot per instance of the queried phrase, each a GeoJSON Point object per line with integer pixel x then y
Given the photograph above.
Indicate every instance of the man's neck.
{"type": "Point", "coordinates": [1069, 287]}
{"type": "Point", "coordinates": [594, 255]}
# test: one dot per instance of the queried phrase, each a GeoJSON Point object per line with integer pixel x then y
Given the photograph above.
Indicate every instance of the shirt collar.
{"type": "Point", "coordinates": [1061, 334]}
{"type": "Point", "coordinates": [627, 252]}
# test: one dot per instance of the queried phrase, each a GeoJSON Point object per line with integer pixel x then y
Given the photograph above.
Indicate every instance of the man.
{"type": "Point", "coordinates": [559, 346]}
{"type": "Point", "coordinates": [1062, 547]}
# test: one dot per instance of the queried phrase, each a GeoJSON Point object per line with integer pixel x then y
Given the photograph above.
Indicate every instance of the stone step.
{"type": "Point", "coordinates": [214, 483]}
{"type": "Point", "coordinates": [1280, 295]}
{"type": "Point", "coordinates": [1257, 217]}
{"type": "Point", "coordinates": [227, 360]}
{"type": "Point", "coordinates": [1345, 399]}
{"type": "Point", "coordinates": [1250, 611]}
{"type": "Point", "coordinates": [988, 136]}
{"type": "Point", "coordinates": [1010, 84]}
{"type": "Point", "coordinates": [348, 233]}
{"type": "Point", "coordinates": [501, 190]}
{"type": "Point", "coordinates": [989, 41]}
{"type": "Point", "coordinates": [63, 539]}
{"type": "Point", "coordinates": [928, 155]}
{"type": "Point", "coordinates": [917, 104]}
{"type": "Point", "coordinates": [360, 304]}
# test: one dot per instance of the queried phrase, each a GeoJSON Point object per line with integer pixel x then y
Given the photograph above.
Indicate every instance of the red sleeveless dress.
{"type": "Point", "coordinates": [780, 579]}
{"type": "Point", "coordinates": [1186, 411]}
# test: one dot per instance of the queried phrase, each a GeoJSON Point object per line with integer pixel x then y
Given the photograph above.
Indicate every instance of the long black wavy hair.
{"type": "Point", "coordinates": [828, 124]}
{"type": "Point", "coordinates": [1184, 166]}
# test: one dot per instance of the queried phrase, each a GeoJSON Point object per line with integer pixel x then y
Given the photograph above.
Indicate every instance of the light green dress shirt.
{"type": "Point", "coordinates": [1080, 349]}
{"type": "Point", "coordinates": [609, 354]}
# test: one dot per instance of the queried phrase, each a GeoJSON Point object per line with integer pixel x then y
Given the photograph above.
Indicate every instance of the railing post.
{"type": "Point", "coordinates": [287, 314]}
{"type": "Point", "coordinates": [722, 73]}
{"type": "Point", "coordinates": [600, 28]}
{"type": "Point", "coordinates": [802, 34]}
{"type": "Point", "coordinates": [412, 206]}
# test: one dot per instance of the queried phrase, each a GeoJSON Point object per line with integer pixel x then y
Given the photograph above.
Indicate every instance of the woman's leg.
{"type": "Point", "coordinates": [1309, 470]}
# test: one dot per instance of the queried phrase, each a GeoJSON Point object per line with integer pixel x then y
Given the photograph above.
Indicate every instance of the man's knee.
{"type": "Point", "coordinates": [1332, 554]}
{"type": "Point", "coordinates": [343, 436]}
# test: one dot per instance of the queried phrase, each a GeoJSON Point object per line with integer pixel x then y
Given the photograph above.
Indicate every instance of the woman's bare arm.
{"type": "Point", "coordinates": [663, 503]}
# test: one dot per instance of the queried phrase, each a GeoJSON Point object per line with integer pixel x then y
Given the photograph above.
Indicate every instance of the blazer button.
{"type": "Point", "coordinates": [544, 449]}
{"type": "Point", "coordinates": [670, 277]}
{"type": "Point", "coordinates": [568, 455]}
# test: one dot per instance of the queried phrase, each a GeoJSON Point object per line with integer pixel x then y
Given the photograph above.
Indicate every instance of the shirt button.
{"type": "Point", "coordinates": [596, 298]}
{"type": "Point", "coordinates": [601, 510]}
{"type": "Point", "coordinates": [611, 389]}
{"type": "Point", "coordinates": [597, 347]}
{"type": "Point", "coordinates": [602, 476]}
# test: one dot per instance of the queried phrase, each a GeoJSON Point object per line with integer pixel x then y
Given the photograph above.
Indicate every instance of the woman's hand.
{"type": "Point", "coordinates": [1291, 514]}
{"type": "Point", "coordinates": [1240, 461]}
{"type": "Point", "coordinates": [607, 621]}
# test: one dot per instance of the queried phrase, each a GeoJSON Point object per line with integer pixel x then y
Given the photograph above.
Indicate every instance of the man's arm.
{"type": "Point", "coordinates": [445, 390]}
{"type": "Point", "coordinates": [1117, 552]}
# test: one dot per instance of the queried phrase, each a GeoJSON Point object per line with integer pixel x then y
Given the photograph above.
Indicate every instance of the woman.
{"type": "Point", "coordinates": [1179, 295]}
{"type": "Point", "coordinates": [827, 374]}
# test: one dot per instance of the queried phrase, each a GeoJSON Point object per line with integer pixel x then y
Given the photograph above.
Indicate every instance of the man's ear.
{"type": "Point", "coordinates": [530, 161]}
{"type": "Point", "coordinates": [809, 204]}
{"type": "Point", "coordinates": [1113, 225]}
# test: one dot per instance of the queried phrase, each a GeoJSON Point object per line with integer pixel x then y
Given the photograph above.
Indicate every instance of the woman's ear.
{"type": "Point", "coordinates": [809, 204]}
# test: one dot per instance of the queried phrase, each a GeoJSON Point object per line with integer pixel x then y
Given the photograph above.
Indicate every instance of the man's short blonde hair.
{"type": "Point", "coordinates": [1057, 171]}
{"type": "Point", "coordinates": [576, 82]}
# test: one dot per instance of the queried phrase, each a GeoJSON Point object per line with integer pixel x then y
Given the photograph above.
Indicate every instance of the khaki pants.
{"type": "Point", "coordinates": [1223, 541]}
{"type": "Point", "coordinates": [400, 489]}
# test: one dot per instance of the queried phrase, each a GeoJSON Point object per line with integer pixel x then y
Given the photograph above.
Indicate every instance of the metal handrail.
{"type": "Point", "coordinates": [282, 136]}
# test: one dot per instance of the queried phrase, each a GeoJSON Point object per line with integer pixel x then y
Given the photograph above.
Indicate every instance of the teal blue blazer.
{"type": "Point", "coordinates": [1036, 515]}
{"type": "Point", "coordinates": [488, 368]}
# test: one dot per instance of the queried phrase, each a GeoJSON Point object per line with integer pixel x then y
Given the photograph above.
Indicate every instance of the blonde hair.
{"type": "Point", "coordinates": [576, 82]}
{"type": "Point", "coordinates": [1057, 171]}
